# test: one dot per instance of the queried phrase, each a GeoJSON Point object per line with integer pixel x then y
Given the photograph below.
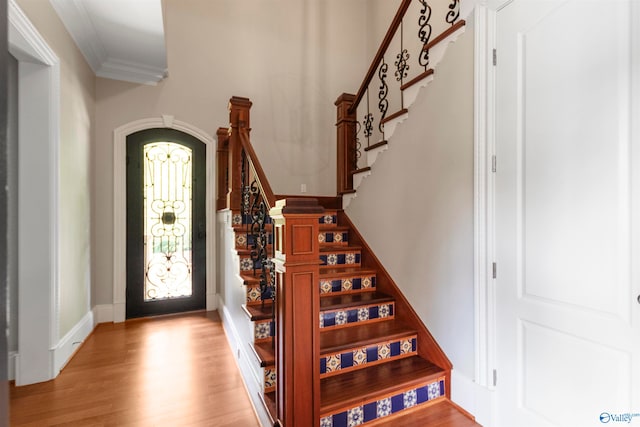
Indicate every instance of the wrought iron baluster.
{"type": "Point", "coordinates": [454, 12]}
{"type": "Point", "coordinates": [368, 122]}
{"type": "Point", "coordinates": [246, 194]}
{"type": "Point", "coordinates": [357, 146]}
{"type": "Point", "coordinates": [424, 34]}
{"type": "Point", "coordinates": [383, 102]}
{"type": "Point", "coordinates": [402, 66]}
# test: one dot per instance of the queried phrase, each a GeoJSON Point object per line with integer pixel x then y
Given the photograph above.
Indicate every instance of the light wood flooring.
{"type": "Point", "coordinates": [165, 371]}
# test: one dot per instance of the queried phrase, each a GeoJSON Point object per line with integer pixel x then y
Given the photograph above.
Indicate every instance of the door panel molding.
{"type": "Point", "coordinates": [120, 205]}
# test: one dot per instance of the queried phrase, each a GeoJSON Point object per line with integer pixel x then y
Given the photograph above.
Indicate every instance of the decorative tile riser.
{"type": "Point", "coordinates": [334, 237]}
{"type": "Point", "coordinates": [348, 284]}
{"type": "Point", "coordinates": [348, 258]}
{"type": "Point", "coordinates": [362, 357]}
{"type": "Point", "coordinates": [239, 219]}
{"type": "Point", "coordinates": [263, 331]}
{"type": "Point", "coordinates": [359, 315]}
{"type": "Point", "coordinates": [269, 379]}
{"type": "Point", "coordinates": [384, 407]}
{"type": "Point", "coordinates": [245, 240]}
{"type": "Point", "coordinates": [255, 297]}
{"type": "Point", "coordinates": [329, 218]}
{"type": "Point", "coordinates": [246, 264]}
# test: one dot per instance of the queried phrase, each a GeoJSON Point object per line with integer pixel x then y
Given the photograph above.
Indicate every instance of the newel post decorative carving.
{"type": "Point", "coordinates": [238, 119]}
{"type": "Point", "coordinates": [297, 265]}
{"type": "Point", "coordinates": [222, 168]}
{"type": "Point", "coordinates": [346, 140]}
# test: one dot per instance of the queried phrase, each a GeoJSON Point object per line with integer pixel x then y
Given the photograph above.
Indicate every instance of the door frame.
{"type": "Point", "coordinates": [38, 357]}
{"type": "Point", "coordinates": [120, 206]}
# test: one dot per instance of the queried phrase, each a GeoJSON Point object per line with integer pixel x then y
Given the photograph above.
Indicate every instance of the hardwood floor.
{"type": "Point", "coordinates": [165, 371]}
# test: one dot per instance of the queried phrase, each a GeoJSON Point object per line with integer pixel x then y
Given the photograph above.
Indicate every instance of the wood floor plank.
{"type": "Point", "coordinates": [165, 371]}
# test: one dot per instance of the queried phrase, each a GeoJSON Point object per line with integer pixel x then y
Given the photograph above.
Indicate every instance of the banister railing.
{"type": "Point", "coordinates": [403, 59]}
{"type": "Point", "coordinates": [245, 186]}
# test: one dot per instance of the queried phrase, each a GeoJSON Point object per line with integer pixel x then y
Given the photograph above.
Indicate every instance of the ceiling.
{"type": "Point", "coordinates": [121, 39]}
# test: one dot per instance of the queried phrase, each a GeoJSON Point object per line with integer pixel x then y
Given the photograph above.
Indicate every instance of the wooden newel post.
{"type": "Point", "coordinates": [297, 266]}
{"type": "Point", "coordinates": [346, 141]}
{"type": "Point", "coordinates": [238, 119]}
{"type": "Point", "coordinates": [222, 168]}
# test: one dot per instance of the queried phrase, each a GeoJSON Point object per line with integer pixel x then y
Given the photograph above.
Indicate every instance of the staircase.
{"type": "Point", "coordinates": [373, 367]}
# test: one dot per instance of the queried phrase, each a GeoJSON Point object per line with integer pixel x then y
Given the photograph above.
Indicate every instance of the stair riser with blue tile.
{"type": "Point", "coordinates": [263, 331]}
{"type": "Point", "coordinates": [347, 285]}
{"type": "Point", "coordinates": [255, 297]}
{"type": "Point", "coordinates": [333, 237]}
{"type": "Point", "coordinates": [340, 259]}
{"type": "Point", "coordinates": [363, 357]}
{"type": "Point", "coordinates": [386, 406]}
{"type": "Point", "coordinates": [357, 315]}
{"type": "Point", "coordinates": [269, 376]}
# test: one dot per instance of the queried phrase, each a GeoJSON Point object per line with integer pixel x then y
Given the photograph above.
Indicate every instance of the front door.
{"type": "Point", "coordinates": [166, 258]}
{"type": "Point", "coordinates": [567, 214]}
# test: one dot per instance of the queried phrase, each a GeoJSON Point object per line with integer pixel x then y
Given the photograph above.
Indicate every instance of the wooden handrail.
{"type": "Point", "coordinates": [381, 51]}
{"type": "Point", "coordinates": [263, 183]}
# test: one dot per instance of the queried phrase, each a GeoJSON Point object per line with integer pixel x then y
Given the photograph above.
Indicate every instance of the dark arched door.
{"type": "Point", "coordinates": [166, 223]}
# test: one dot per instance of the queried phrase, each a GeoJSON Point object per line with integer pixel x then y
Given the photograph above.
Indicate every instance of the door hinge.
{"type": "Point", "coordinates": [495, 57]}
{"type": "Point", "coordinates": [494, 163]}
{"type": "Point", "coordinates": [495, 377]}
{"type": "Point", "coordinates": [494, 269]}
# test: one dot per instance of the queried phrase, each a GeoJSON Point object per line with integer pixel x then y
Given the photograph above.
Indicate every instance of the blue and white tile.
{"type": "Point", "coordinates": [383, 407]}
{"type": "Point", "coordinates": [326, 421]}
{"type": "Point", "coordinates": [341, 317]}
{"type": "Point", "coordinates": [410, 399]}
{"type": "Point", "coordinates": [246, 264]}
{"type": "Point", "coordinates": [433, 390]}
{"type": "Point", "coordinates": [355, 416]}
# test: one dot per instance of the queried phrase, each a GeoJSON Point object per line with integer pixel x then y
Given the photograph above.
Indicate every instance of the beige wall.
{"type": "Point", "coordinates": [77, 121]}
{"type": "Point", "coordinates": [291, 57]}
{"type": "Point", "coordinates": [416, 209]}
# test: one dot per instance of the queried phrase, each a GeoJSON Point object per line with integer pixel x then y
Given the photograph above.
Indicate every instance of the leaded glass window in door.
{"type": "Point", "coordinates": [167, 221]}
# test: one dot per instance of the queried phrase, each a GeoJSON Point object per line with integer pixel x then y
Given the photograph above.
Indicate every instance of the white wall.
{"type": "Point", "coordinates": [420, 198]}
{"type": "Point", "coordinates": [292, 58]}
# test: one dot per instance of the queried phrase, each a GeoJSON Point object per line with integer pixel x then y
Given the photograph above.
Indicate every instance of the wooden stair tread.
{"type": "Point", "coordinates": [333, 227]}
{"type": "Point", "coordinates": [258, 311]}
{"type": "Point", "coordinates": [265, 353]}
{"type": "Point", "coordinates": [355, 387]}
{"type": "Point", "coordinates": [270, 402]}
{"type": "Point", "coordinates": [335, 340]}
{"type": "Point", "coordinates": [442, 413]}
{"type": "Point", "coordinates": [336, 273]}
{"type": "Point", "coordinates": [331, 302]}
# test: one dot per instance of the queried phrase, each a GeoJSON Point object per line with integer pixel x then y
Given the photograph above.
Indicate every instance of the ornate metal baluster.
{"type": "Point", "coordinates": [454, 12]}
{"type": "Point", "coordinates": [246, 194]}
{"type": "Point", "coordinates": [357, 147]}
{"type": "Point", "coordinates": [383, 102]}
{"type": "Point", "coordinates": [402, 66]}
{"type": "Point", "coordinates": [424, 34]}
{"type": "Point", "coordinates": [368, 122]}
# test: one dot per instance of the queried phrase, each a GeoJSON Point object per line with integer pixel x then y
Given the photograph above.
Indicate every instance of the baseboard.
{"type": "Point", "coordinates": [67, 346]}
{"type": "Point", "coordinates": [13, 360]}
{"type": "Point", "coordinates": [212, 301]}
{"type": "Point", "coordinates": [252, 386]}
{"type": "Point", "coordinates": [119, 312]}
{"type": "Point", "coordinates": [475, 399]}
{"type": "Point", "coordinates": [102, 313]}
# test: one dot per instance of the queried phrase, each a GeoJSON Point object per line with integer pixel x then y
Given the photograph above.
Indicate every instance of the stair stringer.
{"type": "Point", "coordinates": [410, 94]}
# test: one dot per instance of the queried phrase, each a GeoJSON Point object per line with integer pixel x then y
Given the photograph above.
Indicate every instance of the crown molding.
{"type": "Point", "coordinates": [78, 22]}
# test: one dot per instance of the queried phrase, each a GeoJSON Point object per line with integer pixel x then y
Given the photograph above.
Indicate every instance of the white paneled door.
{"type": "Point", "coordinates": [567, 199]}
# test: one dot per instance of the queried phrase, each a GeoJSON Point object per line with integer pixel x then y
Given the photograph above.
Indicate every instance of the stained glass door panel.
{"type": "Point", "coordinates": [167, 220]}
